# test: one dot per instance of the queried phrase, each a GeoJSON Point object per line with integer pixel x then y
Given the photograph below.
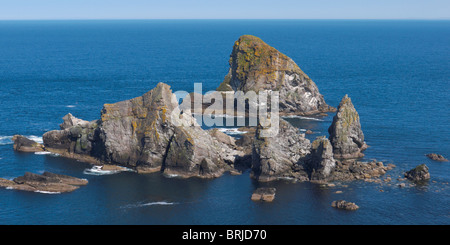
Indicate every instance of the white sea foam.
{"type": "Point", "coordinates": [37, 139]}
{"type": "Point", "coordinates": [157, 203]}
{"type": "Point", "coordinates": [97, 170]}
{"type": "Point", "coordinates": [43, 153]}
{"type": "Point", "coordinates": [48, 192]}
{"type": "Point", "coordinates": [302, 117]}
{"type": "Point", "coordinates": [70, 106]}
{"type": "Point", "coordinates": [6, 140]}
{"type": "Point", "coordinates": [146, 204]}
{"type": "Point", "coordinates": [171, 175]}
{"type": "Point", "coordinates": [231, 131]}
{"type": "Point", "coordinates": [47, 153]}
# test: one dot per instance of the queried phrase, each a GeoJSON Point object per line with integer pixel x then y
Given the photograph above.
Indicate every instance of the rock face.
{"type": "Point", "coordinates": [256, 66]}
{"type": "Point", "coordinates": [23, 144]}
{"type": "Point", "coordinates": [341, 204]}
{"type": "Point", "coordinates": [437, 157]}
{"type": "Point", "coordinates": [321, 163]}
{"type": "Point", "coordinates": [345, 132]}
{"type": "Point", "coordinates": [147, 133]}
{"type": "Point", "coordinates": [47, 182]}
{"type": "Point", "coordinates": [264, 194]}
{"type": "Point", "coordinates": [280, 156]}
{"type": "Point", "coordinates": [77, 139]}
{"type": "Point", "coordinates": [419, 173]}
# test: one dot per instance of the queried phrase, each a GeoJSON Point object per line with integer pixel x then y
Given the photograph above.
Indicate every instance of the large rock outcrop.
{"type": "Point", "coordinates": [148, 133]}
{"type": "Point", "coordinates": [280, 156]}
{"type": "Point", "coordinates": [256, 66]}
{"type": "Point", "coordinates": [345, 132]}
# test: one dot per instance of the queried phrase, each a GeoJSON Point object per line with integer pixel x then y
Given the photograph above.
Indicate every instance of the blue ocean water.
{"type": "Point", "coordinates": [396, 72]}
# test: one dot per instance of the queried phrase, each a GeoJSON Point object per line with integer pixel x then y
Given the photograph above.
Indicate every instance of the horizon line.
{"type": "Point", "coordinates": [110, 19]}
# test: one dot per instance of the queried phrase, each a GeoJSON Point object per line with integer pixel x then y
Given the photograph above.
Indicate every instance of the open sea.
{"type": "Point", "coordinates": [397, 74]}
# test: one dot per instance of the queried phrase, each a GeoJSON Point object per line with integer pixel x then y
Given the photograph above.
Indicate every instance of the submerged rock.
{"type": "Point", "coordinates": [264, 194]}
{"type": "Point", "coordinates": [46, 182]}
{"type": "Point", "coordinates": [23, 144]}
{"type": "Point", "coordinates": [341, 204]}
{"type": "Point", "coordinates": [256, 66]}
{"type": "Point", "coordinates": [437, 157]}
{"type": "Point", "coordinates": [345, 132]}
{"type": "Point", "coordinates": [419, 173]}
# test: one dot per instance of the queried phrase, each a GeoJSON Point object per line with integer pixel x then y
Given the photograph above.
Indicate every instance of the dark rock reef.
{"type": "Point", "coordinates": [345, 132]}
{"type": "Point", "coordinates": [256, 66]}
{"type": "Point", "coordinates": [418, 174]}
{"type": "Point", "coordinates": [46, 182]}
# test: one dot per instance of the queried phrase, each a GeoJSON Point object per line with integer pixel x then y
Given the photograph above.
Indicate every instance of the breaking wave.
{"type": "Point", "coordinates": [48, 192]}
{"type": "Point", "coordinates": [47, 153]}
{"type": "Point", "coordinates": [146, 204]}
{"type": "Point", "coordinates": [97, 170]}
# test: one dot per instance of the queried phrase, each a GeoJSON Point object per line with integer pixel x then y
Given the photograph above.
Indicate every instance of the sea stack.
{"type": "Point", "coordinates": [345, 132]}
{"type": "Point", "coordinates": [256, 66]}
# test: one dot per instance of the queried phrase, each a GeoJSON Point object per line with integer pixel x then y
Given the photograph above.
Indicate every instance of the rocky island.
{"type": "Point", "coordinates": [256, 66]}
{"type": "Point", "coordinates": [151, 133]}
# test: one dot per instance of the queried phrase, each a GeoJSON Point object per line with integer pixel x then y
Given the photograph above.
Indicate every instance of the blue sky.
{"type": "Point", "coordinates": [227, 9]}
